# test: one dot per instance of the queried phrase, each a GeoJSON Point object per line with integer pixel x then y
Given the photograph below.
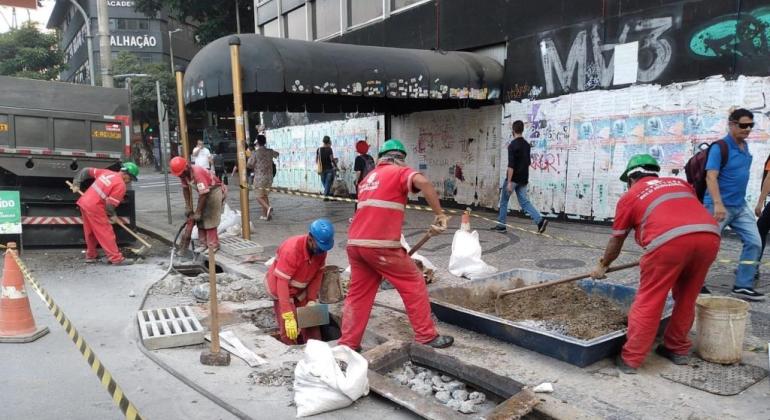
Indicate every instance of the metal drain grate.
{"type": "Point", "coordinates": [760, 325]}
{"type": "Point", "coordinates": [169, 327]}
{"type": "Point", "coordinates": [236, 246]}
{"type": "Point", "coordinates": [715, 378]}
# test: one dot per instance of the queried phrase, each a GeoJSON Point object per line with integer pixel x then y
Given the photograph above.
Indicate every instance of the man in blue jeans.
{"type": "Point", "coordinates": [516, 179]}
{"type": "Point", "coordinates": [726, 199]}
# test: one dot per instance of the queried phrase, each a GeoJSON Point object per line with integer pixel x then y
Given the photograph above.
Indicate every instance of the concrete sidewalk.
{"type": "Point", "coordinates": [568, 249]}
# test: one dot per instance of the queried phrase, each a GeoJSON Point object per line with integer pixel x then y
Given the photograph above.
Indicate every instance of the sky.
{"type": "Point", "coordinates": [40, 15]}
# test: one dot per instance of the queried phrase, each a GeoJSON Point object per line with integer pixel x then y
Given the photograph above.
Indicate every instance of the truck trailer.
{"type": "Point", "coordinates": [48, 132]}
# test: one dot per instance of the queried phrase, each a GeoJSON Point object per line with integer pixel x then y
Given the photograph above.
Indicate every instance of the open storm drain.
{"type": "Point", "coordinates": [715, 378]}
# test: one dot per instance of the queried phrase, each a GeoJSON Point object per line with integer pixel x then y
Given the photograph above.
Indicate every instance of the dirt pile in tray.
{"type": "Point", "coordinates": [565, 308]}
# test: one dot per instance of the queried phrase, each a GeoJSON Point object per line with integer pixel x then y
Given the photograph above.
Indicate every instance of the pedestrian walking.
{"type": "Point", "coordinates": [375, 251]}
{"type": "Point", "coordinates": [327, 164]}
{"type": "Point", "coordinates": [261, 163]}
{"type": "Point", "coordinates": [680, 239]}
{"type": "Point", "coordinates": [211, 194]}
{"type": "Point", "coordinates": [363, 164]}
{"type": "Point", "coordinates": [725, 198]}
{"type": "Point", "coordinates": [762, 211]}
{"type": "Point", "coordinates": [516, 179]}
{"type": "Point", "coordinates": [294, 279]}
{"type": "Point", "coordinates": [98, 208]}
{"type": "Point", "coordinates": [201, 156]}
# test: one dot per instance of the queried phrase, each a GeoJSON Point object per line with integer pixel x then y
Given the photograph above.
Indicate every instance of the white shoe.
{"type": "Point", "coordinates": [269, 213]}
{"type": "Point", "coordinates": [262, 218]}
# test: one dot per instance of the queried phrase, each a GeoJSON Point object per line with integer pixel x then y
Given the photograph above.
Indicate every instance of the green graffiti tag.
{"type": "Point", "coordinates": [745, 35]}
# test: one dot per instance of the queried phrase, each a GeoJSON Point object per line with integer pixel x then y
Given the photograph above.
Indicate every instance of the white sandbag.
{"type": "Point", "coordinates": [425, 262]}
{"type": "Point", "coordinates": [320, 385]}
{"type": "Point", "coordinates": [465, 260]}
{"type": "Point", "coordinates": [229, 218]}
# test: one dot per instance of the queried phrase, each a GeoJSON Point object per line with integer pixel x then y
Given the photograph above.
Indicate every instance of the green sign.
{"type": "Point", "coordinates": [10, 212]}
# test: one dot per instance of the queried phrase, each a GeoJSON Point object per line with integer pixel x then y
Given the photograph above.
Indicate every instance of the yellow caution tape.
{"type": "Point", "coordinates": [105, 377]}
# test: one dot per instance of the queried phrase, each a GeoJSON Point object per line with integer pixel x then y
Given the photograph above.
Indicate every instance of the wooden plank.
{"type": "Point", "coordinates": [515, 407]}
{"type": "Point", "coordinates": [388, 355]}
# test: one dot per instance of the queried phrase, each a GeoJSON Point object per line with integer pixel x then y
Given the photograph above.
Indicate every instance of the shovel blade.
{"type": "Point", "coordinates": [313, 316]}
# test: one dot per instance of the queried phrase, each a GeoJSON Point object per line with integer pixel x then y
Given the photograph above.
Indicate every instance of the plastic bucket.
{"type": "Point", "coordinates": [721, 322]}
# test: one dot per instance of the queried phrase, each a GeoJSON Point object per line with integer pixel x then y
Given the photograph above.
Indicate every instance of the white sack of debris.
{"type": "Point", "coordinates": [320, 382]}
{"type": "Point", "coordinates": [416, 256]}
{"type": "Point", "coordinates": [465, 260]}
{"type": "Point", "coordinates": [229, 224]}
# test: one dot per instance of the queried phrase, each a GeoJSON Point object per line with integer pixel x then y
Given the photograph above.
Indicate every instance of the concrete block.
{"type": "Point", "coordinates": [236, 246]}
{"type": "Point", "coordinates": [169, 327]}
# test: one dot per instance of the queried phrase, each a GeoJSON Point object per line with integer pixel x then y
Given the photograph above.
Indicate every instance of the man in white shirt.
{"type": "Point", "coordinates": [202, 156]}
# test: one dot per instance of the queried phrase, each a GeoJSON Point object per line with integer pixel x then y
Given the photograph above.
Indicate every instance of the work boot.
{"type": "Point", "coordinates": [92, 260]}
{"type": "Point", "coordinates": [124, 261]}
{"type": "Point", "coordinates": [441, 341]}
{"type": "Point", "coordinates": [677, 359]}
{"type": "Point", "coordinates": [705, 291]}
{"type": "Point", "coordinates": [623, 367]}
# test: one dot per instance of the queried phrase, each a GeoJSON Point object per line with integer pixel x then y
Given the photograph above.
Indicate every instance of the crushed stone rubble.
{"type": "Point", "coordinates": [230, 287]}
{"type": "Point", "coordinates": [277, 376]}
{"type": "Point", "coordinates": [445, 389]}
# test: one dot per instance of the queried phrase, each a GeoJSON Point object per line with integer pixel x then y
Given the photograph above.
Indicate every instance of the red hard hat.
{"type": "Point", "coordinates": [362, 147]}
{"type": "Point", "coordinates": [177, 165]}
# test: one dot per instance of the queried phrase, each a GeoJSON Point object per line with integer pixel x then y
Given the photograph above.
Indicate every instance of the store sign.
{"type": "Point", "coordinates": [10, 212]}
{"type": "Point", "coordinates": [139, 41]}
{"type": "Point", "coordinates": [120, 3]}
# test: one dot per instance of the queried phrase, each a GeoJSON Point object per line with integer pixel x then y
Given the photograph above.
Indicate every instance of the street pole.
{"type": "Point", "coordinates": [240, 134]}
{"type": "Point", "coordinates": [237, 18]}
{"type": "Point", "coordinates": [163, 141]}
{"type": "Point", "coordinates": [105, 50]}
{"type": "Point", "coordinates": [182, 115]}
{"type": "Point", "coordinates": [173, 73]}
{"type": "Point", "coordinates": [89, 41]}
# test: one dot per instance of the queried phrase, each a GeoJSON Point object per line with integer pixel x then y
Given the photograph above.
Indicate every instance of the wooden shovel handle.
{"type": "Point", "coordinates": [120, 223]}
{"type": "Point", "coordinates": [567, 280]}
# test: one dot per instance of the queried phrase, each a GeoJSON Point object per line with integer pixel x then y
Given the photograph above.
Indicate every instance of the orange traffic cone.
{"type": "Point", "coordinates": [465, 223]}
{"type": "Point", "coordinates": [16, 322]}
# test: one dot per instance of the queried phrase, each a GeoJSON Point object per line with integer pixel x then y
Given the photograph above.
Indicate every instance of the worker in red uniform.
{"type": "Point", "coordinates": [375, 251]}
{"type": "Point", "coordinates": [294, 279]}
{"type": "Point", "coordinates": [98, 209]}
{"type": "Point", "coordinates": [211, 194]}
{"type": "Point", "coordinates": [680, 240]}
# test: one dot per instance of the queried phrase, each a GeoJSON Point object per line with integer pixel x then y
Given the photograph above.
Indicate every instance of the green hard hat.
{"type": "Point", "coordinates": [638, 161]}
{"type": "Point", "coordinates": [391, 146]}
{"type": "Point", "coordinates": [131, 169]}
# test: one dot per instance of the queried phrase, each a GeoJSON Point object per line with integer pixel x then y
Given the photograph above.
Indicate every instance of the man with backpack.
{"type": "Point", "coordinates": [725, 198]}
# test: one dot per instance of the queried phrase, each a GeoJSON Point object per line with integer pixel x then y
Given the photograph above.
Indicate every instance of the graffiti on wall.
{"type": "Point", "coordinates": [745, 35]}
{"type": "Point", "coordinates": [588, 61]}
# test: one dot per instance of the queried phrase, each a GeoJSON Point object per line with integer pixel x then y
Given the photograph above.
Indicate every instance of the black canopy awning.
{"type": "Point", "coordinates": [289, 75]}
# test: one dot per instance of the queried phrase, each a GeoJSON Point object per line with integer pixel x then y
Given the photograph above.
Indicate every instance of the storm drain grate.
{"type": "Point", "coordinates": [169, 327]}
{"type": "Point", "coordinates": [715, 378]}
{"type": "Point", "coordinates": [760, 325]}
{"type": "Point", "coordinates": [236, 246]}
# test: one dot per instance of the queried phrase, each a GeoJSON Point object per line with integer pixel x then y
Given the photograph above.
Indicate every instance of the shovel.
{"type": "Point", "coordinates": [145, 245]}
{"type": "Point", "coordinates": [313, 315]}
{"type": "Point", "coordinates": [503, 293]}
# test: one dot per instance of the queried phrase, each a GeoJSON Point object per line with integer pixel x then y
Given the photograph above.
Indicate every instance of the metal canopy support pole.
{"type": "Point", "coordinates": [240, 133]}
{"type": "Point", "coordinates": [161, 146]}
{"type": "Point", "coordinates": [182, 115]}
{"type": "Point", "coordinates": [89, 41]}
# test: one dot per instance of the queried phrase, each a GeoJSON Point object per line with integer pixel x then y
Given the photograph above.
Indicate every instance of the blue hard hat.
{"type": "Point", "coordinates": [322, 232]}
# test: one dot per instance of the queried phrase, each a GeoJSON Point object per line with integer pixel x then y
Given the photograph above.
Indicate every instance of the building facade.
{"type": "Point", "coordinates": [147, 37]}
{"type": "Point", "coordinates": [595, 82]}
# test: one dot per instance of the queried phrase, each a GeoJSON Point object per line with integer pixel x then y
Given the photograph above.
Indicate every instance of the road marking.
{"type": "Point", "coordinates": [105, 377]}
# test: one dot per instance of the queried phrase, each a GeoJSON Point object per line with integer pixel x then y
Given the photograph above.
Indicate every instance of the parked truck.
{"type": "Point", "coordinates": [48, 132]}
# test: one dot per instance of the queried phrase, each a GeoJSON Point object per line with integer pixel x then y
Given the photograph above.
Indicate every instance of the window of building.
{"type": "Point", "coordinates": [296, 26]}
{"type": "Point", "coordinates": [123, 24]}
{"type": "Point", "coordinates": [272, 28]}
{"type": "Point", "coordinates": [327, 18]}
{"type": "Point", "coordinates": [361, 11]}
{"type": "Point", "coordinates": [400, 4]}
{"type": "Point", "coordinates": [266, 11]}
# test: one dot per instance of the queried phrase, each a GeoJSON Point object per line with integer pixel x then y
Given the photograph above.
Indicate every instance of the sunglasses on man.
{"type": "Point", "coordinates": [743, 126]}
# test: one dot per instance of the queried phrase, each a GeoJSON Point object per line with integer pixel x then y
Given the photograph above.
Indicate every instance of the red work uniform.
{"type": "Point", "coordinates": [108, 188]}
{"type": "Point", "coordinates": [205, 182]}
{"type": "Point", "coordinates": [293, 280]}
{"type": "Point", "coordinates": [375, 251]}
{"type": "Point", "coordinates": [681, 240]}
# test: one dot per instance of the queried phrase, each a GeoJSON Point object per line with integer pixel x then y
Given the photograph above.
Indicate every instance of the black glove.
{"type": "Point", "coordinates": [110, 210]}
